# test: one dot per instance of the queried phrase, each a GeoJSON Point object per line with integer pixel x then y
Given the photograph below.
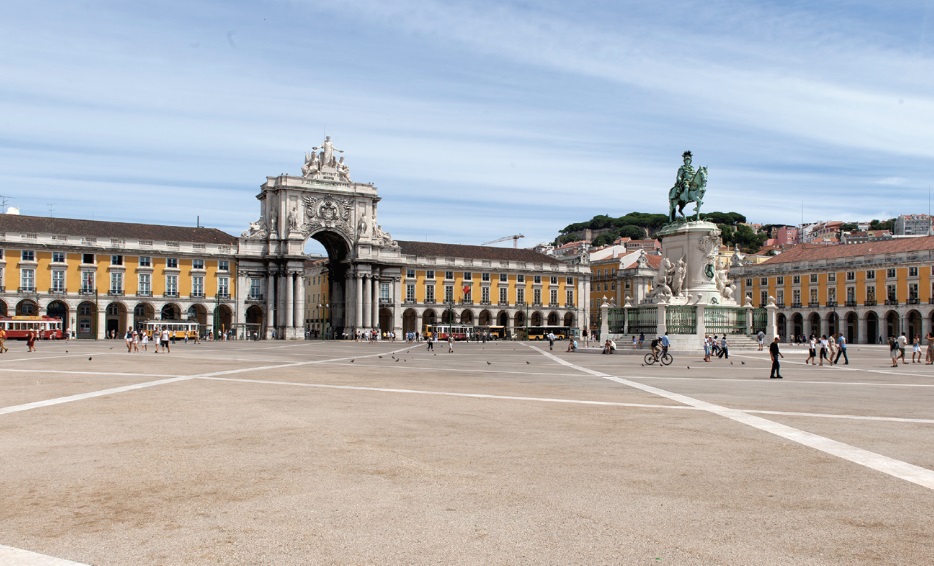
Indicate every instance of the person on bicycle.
{"type": "Point", "coordinates": [665, 342]}
{"type": "Point", "coordinates": [656, 347]}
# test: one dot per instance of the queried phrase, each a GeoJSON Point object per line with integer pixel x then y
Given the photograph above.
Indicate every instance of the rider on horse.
{"type": "Point", "coordinates": [683, 180]}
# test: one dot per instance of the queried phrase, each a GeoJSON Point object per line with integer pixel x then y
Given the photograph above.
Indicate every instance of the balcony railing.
{"type": "Point", "coordinates": [831, 303]}
{"type": "Point", "coordinates": [54, 291]}
{"type": "Point", "coordinates": [115, 292]}
{"type": "Point", "coordinates": [144, 293]}
{"type": "Point", "coordinates": [913, 301]}
{"type": "Point", "coordinates": [87, 291]}
{"type": "Point", "coordinates": [796, 305]}
{"type": "Point", "coordinates": [197, 295]}
{"type": "Point", "coordinates": [222, 296]}
{"type": "Point", "coordinates": [813, 304]}
{"type": "Point", "coordinates": [891, 302]}
{"type": "Point", "coordinates": [503, 303]}
{"type": "Point", "coordinates": [255, 298]}
{"type": "Point", "coordinates": [171, 295]}
{"type": "Point", "coordinates": [780, 304]}
{"type": "Point", "coordinates": [850, 303]}
{"type": "Point", "coordinates": [27, 289]}
{"type": "Point", "coordinates": [466, 302]}
{"type": "Point", "coordinates": [869, 303]}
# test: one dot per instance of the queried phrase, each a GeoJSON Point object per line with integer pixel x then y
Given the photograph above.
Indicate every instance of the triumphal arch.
{"type": "Point", "coordinates": [325, 204]}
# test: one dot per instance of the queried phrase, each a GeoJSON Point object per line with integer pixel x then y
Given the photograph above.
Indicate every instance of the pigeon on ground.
{"type": "Point", "coordinates": [689, 367]}
{"type": "Point", "coordinates": [488, 363]}
{"type": "Point", "coordinates": [742, 362]}
{"type": "Point", "coordinates": [380, 357]}
{"type": "Point", "coordinates": [89, 359]}
{"type": "Point", "coordinates": [527, 362]}
{"type": "Point", "coordinates": [351, 361]}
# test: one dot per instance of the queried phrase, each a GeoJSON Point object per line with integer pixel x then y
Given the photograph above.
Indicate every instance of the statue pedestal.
{"type": "Point", "coordinates": [697, 244]}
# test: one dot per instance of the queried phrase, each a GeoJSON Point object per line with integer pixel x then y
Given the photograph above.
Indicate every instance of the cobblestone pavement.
{"type": "Point", "coordinates": [503, 453]}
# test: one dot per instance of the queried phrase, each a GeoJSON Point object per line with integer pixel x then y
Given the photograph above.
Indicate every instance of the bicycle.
{"type": "Point", "coordinates": [663, 358]}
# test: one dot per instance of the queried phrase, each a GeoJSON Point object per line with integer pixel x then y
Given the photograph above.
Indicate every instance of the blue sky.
{"type": "Point", "coordinates": [475, 120]}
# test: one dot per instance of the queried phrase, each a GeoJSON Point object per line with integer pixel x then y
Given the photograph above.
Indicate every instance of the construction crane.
{"type": "Point", "coordinates": [515, 240]}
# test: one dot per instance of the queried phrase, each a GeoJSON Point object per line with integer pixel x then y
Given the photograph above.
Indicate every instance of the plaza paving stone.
{"type": "Point", "coordinates": [500, 453]}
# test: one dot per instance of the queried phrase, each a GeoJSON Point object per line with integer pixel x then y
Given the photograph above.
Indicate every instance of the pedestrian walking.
{"type": "Point", "coordinates": [431, 343]}
{"type": "Point", "coordinates": [929, 358]}
{"type": "Point", "coordinates": [551, 340]}
{"type": "Point", "coordinates": [841, 350]}
{"type": "Point", "coordinates": [450, 343]}
{"type": "Point", "coordinates": [902, 344]}
{"type": "Point", "coordinates": [916, 350]}
{"type": "Point", "coordinates": [724, 348]}
{"type": "Point", "coordinates": [31, 341]}
{"type": "Point", "coordinates": [893, 351]}
{"type": "Point", "coordinates": [812, 351]}
{"type": "Point", "coordinates": [3, 347]}
{"type": "Point", "coordinates": [775, 354]}
{"type": "Point", "coordinates": [760, 336]}
{"type": "Point", "coordinates": [823, 350]}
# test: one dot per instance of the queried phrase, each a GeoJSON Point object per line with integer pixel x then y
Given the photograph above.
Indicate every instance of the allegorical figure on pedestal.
{"type": "Point", "coordinates": [690, 186]}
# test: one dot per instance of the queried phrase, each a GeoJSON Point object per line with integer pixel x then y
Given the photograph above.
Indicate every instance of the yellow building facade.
{"type": "Point", "coordinates": [865, 291]}
{"type": "Point", "coordinates": [102, 278]}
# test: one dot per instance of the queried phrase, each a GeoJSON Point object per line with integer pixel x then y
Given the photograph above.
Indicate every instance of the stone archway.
{"type": "Point", "coordinates": [171, 311]}
{"type": "Point", "coordinates": [223, 321]}
{"type": "Point", "coordinates": [27, 307]}
{"type": "Point", "coordinates": [253, 323]}
{"type": "Point", "coordinates": [86, 320]}
{"type": "Point", "coordinates": [3, 308]}
{"type": "Point", "coordinates": [115, 321]}
{"type": "Point", "coordinates": [198, 313]}
{"type": "Point", "coordinates": [410, 321]}
{"type": "Point", "coordinates": [569, 320]}
{"type": "Point", "coordinates": [814, 324]}
{"type": "Point", "coordinates": [873, 332]}
{"type": "Point", "coordinates": [363, 261]}
{"type": "Point", "coordinates": [536, 319]}
{"type": "Point", "coordinates": [892, 324]}
{"type": "Point", "coordinates": [385, 321]}
{"type": "Point", "coordinates": [797, 324]}
{"type": "Point", "coordinates": [143, 313]}
{"type": "Point", "coordinates": [58, 309]}
{"type": "Point", "coordinates": [553, 319]}
{"type": "Point", "coordinates": [485, 318]}
{"type": "Point", "coordinates": [833, 323]}
{"type": "Point", "coordinates": [781, 322]}
{"type": "Point", "coordinates": [913, 325]}
{"type": "Point", "coordinates": [429, 317]}
{"type": "Point", "coordinates": [466, 317]}
{"type": "Point", "coordinates": [852, 327]}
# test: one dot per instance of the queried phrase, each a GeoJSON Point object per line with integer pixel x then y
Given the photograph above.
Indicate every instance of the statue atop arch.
{"type": "Point", "coordinates": [324, 164]}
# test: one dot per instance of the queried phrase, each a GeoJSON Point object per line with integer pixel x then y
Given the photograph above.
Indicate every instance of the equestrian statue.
{"type": "Point", "coordinates": [690, 186]}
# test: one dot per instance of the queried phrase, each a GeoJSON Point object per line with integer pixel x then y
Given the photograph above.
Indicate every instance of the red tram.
{"type": "Point", "coordinates": [45, 327]}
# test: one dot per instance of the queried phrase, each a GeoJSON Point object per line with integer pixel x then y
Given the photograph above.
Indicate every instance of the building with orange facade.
{"type": "Point", "coordinates": [101, 278]}
{"type": "Point", "coordinates": [866, 291]}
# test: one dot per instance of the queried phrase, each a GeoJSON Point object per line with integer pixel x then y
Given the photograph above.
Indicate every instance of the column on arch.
{"type": "Point", "coordinates": [358, 301]}
{"type": "Point", "coordinates": [289, 306]}
{"type": "Point", "coordinates": [367, 299]}
{"type": "Point", "coordinates": [374, 312]}
{"type": "Point", "coordinates": [396, 298]}
{"type": "Point", "coordinates": [861, 329]}
{"type": "Point", "coordinates": [270, 302]}
{"type": "Point", "coordinates": [299, 293]}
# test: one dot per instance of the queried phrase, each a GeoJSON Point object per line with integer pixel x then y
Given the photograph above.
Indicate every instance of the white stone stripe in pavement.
{"type": "Point", "coordinates": [896, 468]}
{"type": "Point", "coordinates": [125, 388]}
{"type": "Point", "coordinates": [10, 555]}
